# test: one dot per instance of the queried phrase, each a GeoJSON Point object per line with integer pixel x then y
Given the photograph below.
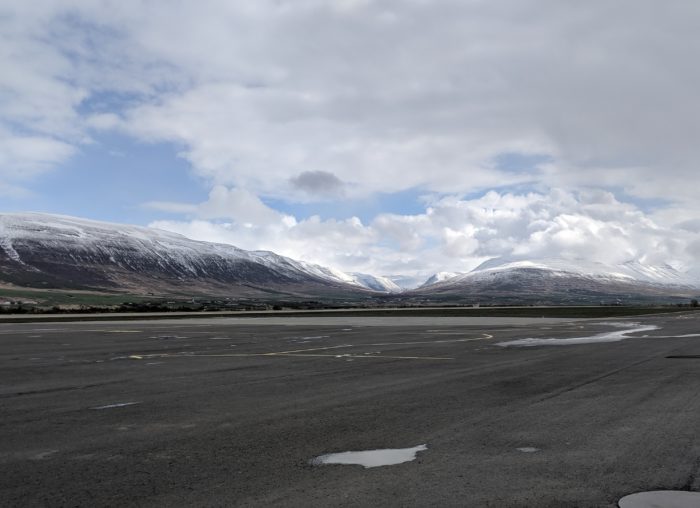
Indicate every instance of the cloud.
{"type": "Point", "coordinates": [318, 183]}
{"type": "Point", "coordinates": [385, 95]}
{"type": "Point", "coordinates": [452, 233]}
{"type": "Point", "coordinates": [23, 156]}
{"type": "Point", "coordinates": [316, 100]}
{"type": "Point", "coordinates": [433, 109]}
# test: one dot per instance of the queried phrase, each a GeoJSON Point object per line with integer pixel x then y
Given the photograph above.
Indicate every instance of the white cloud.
{"type": "Point", "coordinates": [313, 100]}
{"type": "Point", "coordinates": [389, 95]}
{"type": "Point", "coordinates": [385, 95]}
{"type": "Point", "coordinates": [452, 234]}
{"type": "Point", "coordinates": [22, 156]}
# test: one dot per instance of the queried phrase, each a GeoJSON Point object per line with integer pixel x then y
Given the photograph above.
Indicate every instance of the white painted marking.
{"type": "Point", "coordinates": [119, 404]}
{"type": "Point", "coordinates": [371, 458]}
{"type": "Point", "coordinates": [661, 499]}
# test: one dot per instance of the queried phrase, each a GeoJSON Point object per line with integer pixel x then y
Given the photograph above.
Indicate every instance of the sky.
{"type": "Point", "coordinates": [375, 136]}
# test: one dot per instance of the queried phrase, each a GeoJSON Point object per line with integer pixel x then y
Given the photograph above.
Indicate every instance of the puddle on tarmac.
{"type": "Point", "coordinates": [371, 458]}
{"type": "Point", "coordinates": [661, 498]}
{"type": "Point", "coordinates": [614, 336]}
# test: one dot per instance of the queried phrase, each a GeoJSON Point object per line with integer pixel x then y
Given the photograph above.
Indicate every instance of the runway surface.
{"type": "Point", "coordinates": [231, 411]}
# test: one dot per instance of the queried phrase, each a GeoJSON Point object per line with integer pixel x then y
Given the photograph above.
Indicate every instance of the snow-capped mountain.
{"type": "Point", "coordinates": [375, 282]}
{"type": "Point", "coordinates": [41, 250]}
{"type": "Point", "coordinates": [363, 280]}
{"type": "Point", "coordinates": [629, 271]}
{"type": "Point", "coordinates": [51, 251]}
{"type": "Point", "coordinates": [406, 282]}
{"type": "Point", "coordinates": [562, 281]}
{"type": "Point", "coordinates": [440, 277]}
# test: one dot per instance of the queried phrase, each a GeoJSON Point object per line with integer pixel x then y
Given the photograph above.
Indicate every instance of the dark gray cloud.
{"type": "Point", "coordinates": [319, 183]}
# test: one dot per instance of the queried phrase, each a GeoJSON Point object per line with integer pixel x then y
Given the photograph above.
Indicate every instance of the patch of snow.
{"type": "Point", "coordinates": [440, 277]}
{"type": "Point", "coordinates": [614, 336]}
{"type": "Point", "coordinates": [406, 282]}
{"type": "Point", "coordinates": [375, 282]}
{"type": "Point", "coordinates": [371, 458]}
{"type": "Point", "coordinates": [6, 242]}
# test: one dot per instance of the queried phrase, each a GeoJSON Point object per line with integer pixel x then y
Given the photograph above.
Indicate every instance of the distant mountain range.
{"type": "Point", "coordinates": [548, 281]}
{"type": "Point", "coordinates": [58, 252]}
{"type": "Point", "coordinates": [50, 251]}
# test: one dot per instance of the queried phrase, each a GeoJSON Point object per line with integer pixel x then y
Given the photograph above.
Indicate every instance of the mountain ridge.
{"type": "Point", "coordinates": [43, 250]}
{"type": "Point", "coordinates": [556, 280]}
{"type": "Point", "coordinates": [58, 251]}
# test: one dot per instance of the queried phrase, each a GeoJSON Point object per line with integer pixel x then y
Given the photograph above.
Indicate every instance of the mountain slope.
{"type": "Point", "coordinates": [406, 282]}
{"type": "Point", "coordinates": [440, 277]}
{"type": "Point", "coordinates": [557, 281]}
{"type": "Point", "coordinates": [49, 251]}
{"type": "Point", "coordinates": [375, 282]}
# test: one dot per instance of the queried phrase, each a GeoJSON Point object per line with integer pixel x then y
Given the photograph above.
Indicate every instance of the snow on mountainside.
{"type": "Point", "coordinates": [440, 277]}
{"type": "Point", "coordinates": [629, 271]}
{"type": "Point", "coordinates": [51, 251]}
{"type": "Point", "coordinates": [558, 281]}
{"type": "Point", "coordinates": [406, 282]}
{"type": "Point", "coordinates": [376, 282]}
{"type": "Point", "coordinates": [56, 251]}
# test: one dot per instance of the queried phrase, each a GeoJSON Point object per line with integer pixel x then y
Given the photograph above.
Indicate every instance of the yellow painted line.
{"type": "Point", "coordinates": [450, 341]}
{"type": "Point", "coordinates": [310, 349]}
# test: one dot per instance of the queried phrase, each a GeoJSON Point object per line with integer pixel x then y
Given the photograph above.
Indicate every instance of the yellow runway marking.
{"type": "Point", "coordinates": [486, 336]}
{"type": "Point", "coordinates": [310, 349]}
{"type": "Point", "coordinates": [308, 352]}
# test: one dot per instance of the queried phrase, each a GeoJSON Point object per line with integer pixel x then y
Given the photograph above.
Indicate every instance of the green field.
{"type": "Point", "coordinates": [49, 298]}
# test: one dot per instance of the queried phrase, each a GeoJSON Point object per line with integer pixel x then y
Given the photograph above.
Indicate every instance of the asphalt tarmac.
{"type": "Point", "coordinates": [231, 412]}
